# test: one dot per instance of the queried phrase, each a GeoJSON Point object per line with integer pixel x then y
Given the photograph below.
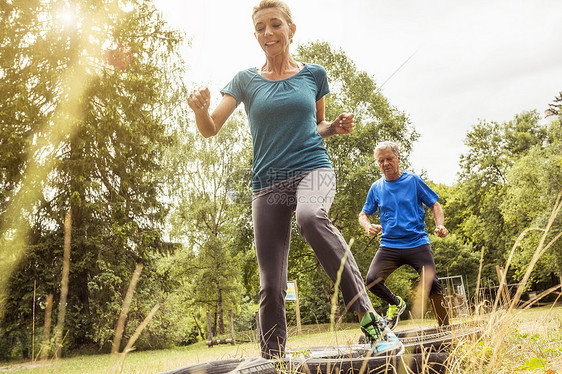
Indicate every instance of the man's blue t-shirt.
{"type": "Point", "coordinates": [401, 211]}
{"type": "Point", "coordinates": [282, 116]}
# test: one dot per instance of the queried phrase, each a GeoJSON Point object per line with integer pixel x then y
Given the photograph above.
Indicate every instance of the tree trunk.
{"type": "Point", "coordinates": [220, 316]}
{"type": "Point", "coordinates": [198, 328]}
{"type": "Point", "coordinates": [215, 324]}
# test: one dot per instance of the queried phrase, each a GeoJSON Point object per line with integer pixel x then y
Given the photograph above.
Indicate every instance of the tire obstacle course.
{"type": "Point", "coordinates": [426, 350]}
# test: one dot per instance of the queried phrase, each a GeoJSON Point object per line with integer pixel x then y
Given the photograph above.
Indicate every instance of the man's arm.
{"type": "Point", "coordinates": [370, 228]}
{"type": "Point", "coordinates": [439, 218]}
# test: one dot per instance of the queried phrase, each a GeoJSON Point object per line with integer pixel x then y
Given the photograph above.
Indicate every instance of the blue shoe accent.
{"type": "Point", "coordinates": [381, 338]}
{"type": "Point", "coordinates": [391, 345]}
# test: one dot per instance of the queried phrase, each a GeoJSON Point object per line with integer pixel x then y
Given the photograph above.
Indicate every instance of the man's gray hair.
{"type": "Point", "coordinates": [386, 145]}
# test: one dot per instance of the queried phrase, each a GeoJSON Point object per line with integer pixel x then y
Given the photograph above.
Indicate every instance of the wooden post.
{"type": "Point", "coordinates": [297, 309]}
{"type": "Point", "coordinates": [500, 280]}
{"type": "Point", "coordinates": [209, 330]}
{"type": "Point", "coordinates": [33, 322]}
{"type": "Point", "coordinates": [231, 327]}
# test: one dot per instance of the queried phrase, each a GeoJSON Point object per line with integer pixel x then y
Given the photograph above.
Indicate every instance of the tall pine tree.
{"type": "Point", "coordinates": [88, 92]}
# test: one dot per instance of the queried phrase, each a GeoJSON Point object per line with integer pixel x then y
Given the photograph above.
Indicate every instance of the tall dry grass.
{"type": "Point", "coordinates": [506, 340]}
{"type": "Point", "coordinates": [509, 342]}
{"type": "Point", "coordinates": [117, 361]}
{"type": "Point", "coordinates": [120, 327]}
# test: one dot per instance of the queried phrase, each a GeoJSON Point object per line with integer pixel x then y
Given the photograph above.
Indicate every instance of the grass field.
{"type": "Point", "coordinates": [520, 342]}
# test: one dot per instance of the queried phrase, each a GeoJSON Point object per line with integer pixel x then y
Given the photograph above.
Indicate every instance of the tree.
{"type": "Point", "coordinates": [555, 108]}
{"type": "Point", "coordinates": [453, 257]}
{"type": "Point", "coordinates": [213, 205]}
{"type": "Point", "coordinates": [535, 182]}
{"type": "Point", "coordinates": [475, 207]}
{"type": "Point", "coordinates": [84, 136]}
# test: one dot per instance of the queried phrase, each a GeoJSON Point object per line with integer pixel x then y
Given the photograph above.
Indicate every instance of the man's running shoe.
{"type": "Point", "coordinates": [381, 338]}
{"type": "Point", "coordinates": [393, 313]}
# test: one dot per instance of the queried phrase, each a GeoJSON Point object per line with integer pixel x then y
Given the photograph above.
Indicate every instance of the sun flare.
{"type": "Point", "coordinates": [67, 17]}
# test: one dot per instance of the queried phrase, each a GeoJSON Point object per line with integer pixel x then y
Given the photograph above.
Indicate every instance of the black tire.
{"type": "Point", "coordinates": [348, 365]}
{"type": "Point", "coordinates": [426, 362]}
{"type": "Point", "coordinates": [430, 362]}
{"type": "Point", "coordinates": [426, 351]}
{"type": "Point", "coordinates": [416, 363]}
{"type": "Point", "coordinates": [234, 366]}
{"type": "Point", "coordinates": [436, 338]}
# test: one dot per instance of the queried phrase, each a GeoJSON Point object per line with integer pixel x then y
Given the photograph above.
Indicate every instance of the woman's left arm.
{"type": "Point", "coordinates": [342, 125]}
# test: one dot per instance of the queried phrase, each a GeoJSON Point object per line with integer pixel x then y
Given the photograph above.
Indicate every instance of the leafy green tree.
{"type": "Point", "coordinates": [88, 92]}
{"type": "Point", "coordinates": [535, 182]}
{"type": "Point", "coordinates": [211, 213]}
{"type": "Point", "coordinates": [555, 108]}
{"type": "Point", "coordinates": [453, 257]}
{"type": "Point", "coordinates": [473, 211]}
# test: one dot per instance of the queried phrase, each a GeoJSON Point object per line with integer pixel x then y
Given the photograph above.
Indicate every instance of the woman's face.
{"type": "Point", "coordinates": [273, 32]}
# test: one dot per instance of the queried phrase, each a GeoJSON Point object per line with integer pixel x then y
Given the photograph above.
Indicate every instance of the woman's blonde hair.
{"type": "Point", "coordinates": [284, 8]}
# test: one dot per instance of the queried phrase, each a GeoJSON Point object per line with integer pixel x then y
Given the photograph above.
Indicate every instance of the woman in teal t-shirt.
{"type": "Point", "coordinates": [284, 101]}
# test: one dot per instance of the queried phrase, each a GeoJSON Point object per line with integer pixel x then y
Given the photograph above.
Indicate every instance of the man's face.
{"type": "Point", "coordinates": [389, 163]}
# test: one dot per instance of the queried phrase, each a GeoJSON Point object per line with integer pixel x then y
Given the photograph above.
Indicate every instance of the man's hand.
{"type": "Point", "coordinates": [373, 230]}
{"type": "Point", "coordinates": [441, 231]}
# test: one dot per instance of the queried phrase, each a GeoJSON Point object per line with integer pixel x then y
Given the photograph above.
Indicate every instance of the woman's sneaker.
{"type": "Point", "coordinates": [381, 338]}
{"type": "Point", "coordinates": [393, 313]}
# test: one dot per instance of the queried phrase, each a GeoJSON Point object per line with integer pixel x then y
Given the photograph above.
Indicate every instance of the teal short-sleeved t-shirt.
{"type": "Point", "coordinates": [282, 117]}
{"type": "Point", "coordinates": [401, 211]}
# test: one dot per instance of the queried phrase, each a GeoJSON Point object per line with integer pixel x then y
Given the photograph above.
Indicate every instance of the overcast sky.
{"type": "Point", "coordinates": [472, 60]}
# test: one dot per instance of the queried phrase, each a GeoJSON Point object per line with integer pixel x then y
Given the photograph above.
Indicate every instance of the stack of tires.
{"type": "Point", "coordinates": [426, 351]}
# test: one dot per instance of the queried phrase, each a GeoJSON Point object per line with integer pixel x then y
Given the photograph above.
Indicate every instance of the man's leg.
{"type": "Point", "coordinates": [384, 263]}
{"type": "Point", "coordinates": [421, 259]}
{"type": "Point", "coordinates": [441, 313]}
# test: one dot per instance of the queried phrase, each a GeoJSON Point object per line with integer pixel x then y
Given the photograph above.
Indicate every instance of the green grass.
{"type": "Point", "coordinates": [519, 342]}
{"type": "Point", "coordinates": [525, 342]}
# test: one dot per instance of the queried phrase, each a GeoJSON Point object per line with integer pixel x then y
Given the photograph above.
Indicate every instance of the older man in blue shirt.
{"type": "Point", "coordinates": [399, 197]}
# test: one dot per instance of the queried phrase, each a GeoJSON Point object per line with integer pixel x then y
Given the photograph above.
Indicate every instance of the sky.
{"type": "Point", "coordinates": [471, 61]}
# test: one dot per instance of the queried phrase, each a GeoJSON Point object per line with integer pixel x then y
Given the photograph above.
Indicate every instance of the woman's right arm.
{"type": "Point", "coordinates": [210, 124]}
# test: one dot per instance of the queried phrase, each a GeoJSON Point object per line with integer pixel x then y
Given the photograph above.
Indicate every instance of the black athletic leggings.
{"type": "Point", "coordinates": [387, 260]}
